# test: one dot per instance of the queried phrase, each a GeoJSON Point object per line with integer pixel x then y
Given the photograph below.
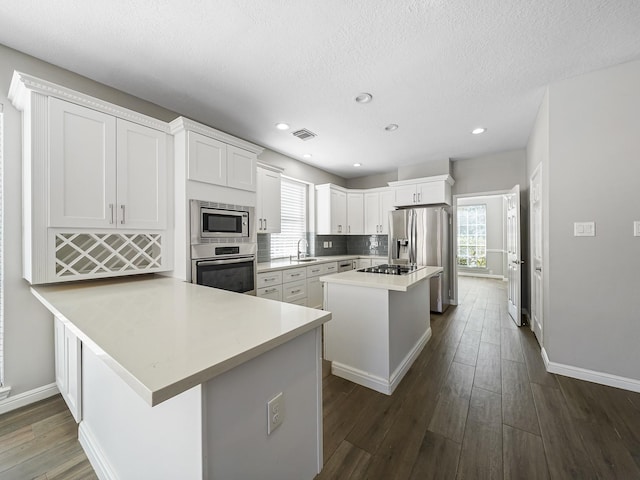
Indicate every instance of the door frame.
{"type": "Point", "coordinates": [538, 171]}
{"type": "Point", "coordinates": [454, 236]}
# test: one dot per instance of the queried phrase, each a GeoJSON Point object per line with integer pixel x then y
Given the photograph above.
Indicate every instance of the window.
{"type": "Point", "coordinates": [472, 236]}
{"type": "Point", "coordinates": [293, 216]}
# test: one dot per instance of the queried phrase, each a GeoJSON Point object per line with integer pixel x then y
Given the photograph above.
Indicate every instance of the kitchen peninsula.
{"type": "Point", "coordinates": [380, 324]}
{"type": "Point", "coordinates": [175, 379]}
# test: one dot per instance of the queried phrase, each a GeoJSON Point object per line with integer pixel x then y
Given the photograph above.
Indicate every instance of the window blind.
{"type": "Point", "coordinates": [293, 218]}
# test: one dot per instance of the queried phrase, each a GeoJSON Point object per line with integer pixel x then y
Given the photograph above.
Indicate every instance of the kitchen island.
{"type": "Point", "coordinates": [175, 379]}
{"type": "Point", "coordinates": [380, 324]}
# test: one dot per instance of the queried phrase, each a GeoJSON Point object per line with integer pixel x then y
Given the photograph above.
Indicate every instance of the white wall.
{"type": "Point", "coordinates": [298, 170]}
{"type": "Point", "coordinates": [490, 173]}
{"type": "Point", "coordinates": [425, 169]}
{"type": "Point", "coordinates": [495, 233]}
{"type": "Point", "coordinates": [373, 181]}
{"type": "Point", "coordinates": [593, 318]}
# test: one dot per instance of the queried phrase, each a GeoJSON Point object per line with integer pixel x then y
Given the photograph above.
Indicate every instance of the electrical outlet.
{"type": "Point", "coordinates": [636, 228]}
{"type": "Point", "coordinates": [325, 244]}
{"type": "Point", "coordinates": [275, 413]}
{"type": "Point", "coordinates": [330, 244]}
{"type": "Point", "coordinates": [584, 229]}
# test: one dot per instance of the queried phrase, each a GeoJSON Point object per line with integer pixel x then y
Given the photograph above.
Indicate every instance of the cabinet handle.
{"type": "Point", "coordinates": [296, 291]}
{"type": "Point", "coordinates": [414, 198]}
{"type": "Point", "coordinates": [419, 196]}
{"type": "Point", "coordinates": [270, 279]}
{"type": "Point", "coordinates": [261, 224]}
{"type": "Point", "coordinates": [538, 269]}
{"type": "Point", "coordinates": [123, 212]}
{"type": "Point", "coordinates": [294, 275]}
{"type": "Point", "coordinates": [270, 290]}
{"type": "Point", "coordinates": [111, 209]}
{"type": "Point", "coordinates": [265, 223]}
{"type": "Point", "coordinates": [349, 228]}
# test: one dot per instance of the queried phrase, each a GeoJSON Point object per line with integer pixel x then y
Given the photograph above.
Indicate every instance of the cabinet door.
{"type": "Point", "coordinates": [268, 201]}
{"type": "Point", "coordinates": [59, 348]}
{"type": "Point", "coordinates": [241, 168]}
{"type": "Point", "coordinates": [272, 293]}
{"type": "Point", "coordinates": [207, 159]}
{"type": "Point", "coordinates": [355, 214]}
{"type": "Point", "coordinates": [314, 292]}
{"type": "Point", "coordinates": [371, 213]}
{"type": "Point", "coordinates": [142, 177]}
{"type": "Point", "coordinates": [405, 195]}
{"type": "Point", "coordinates": [82, 166]}
{"type": "Point", "coordinates": [386, 206]}
{"type": "Point", "coordinates": [73, 396]}
{"type": "Point", "coordinates": [430, 192]}
{"type": "Point", "coordinates": [338, 211]}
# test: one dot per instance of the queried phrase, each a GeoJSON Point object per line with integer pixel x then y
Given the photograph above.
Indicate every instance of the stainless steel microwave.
{"type": "Point", "coordinates": [219, 221]}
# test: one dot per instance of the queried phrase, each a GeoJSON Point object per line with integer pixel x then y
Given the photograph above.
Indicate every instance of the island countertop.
{"type": "Point", "coordinates": [163, 336]}
{"type": "Point", "coordinates": [400, 283]}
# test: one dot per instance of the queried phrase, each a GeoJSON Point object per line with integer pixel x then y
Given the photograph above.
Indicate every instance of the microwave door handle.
{"type": "Point", "coordinates": [207, 263]}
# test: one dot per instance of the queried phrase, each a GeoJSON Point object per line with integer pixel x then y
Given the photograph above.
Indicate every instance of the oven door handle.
{"type": "Point", "coordinates": [206, 263]}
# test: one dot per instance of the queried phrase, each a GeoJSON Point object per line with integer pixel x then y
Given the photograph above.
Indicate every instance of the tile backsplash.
{"type": "Point", "coordinates": [340, 245]}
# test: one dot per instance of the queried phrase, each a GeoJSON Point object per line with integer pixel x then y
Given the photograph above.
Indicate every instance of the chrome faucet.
{"type": "Point", "coordinates": [306, 247]}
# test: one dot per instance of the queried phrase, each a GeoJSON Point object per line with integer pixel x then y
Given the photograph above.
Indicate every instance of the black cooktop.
{"type": "Point", "coordinates": [391, 269]}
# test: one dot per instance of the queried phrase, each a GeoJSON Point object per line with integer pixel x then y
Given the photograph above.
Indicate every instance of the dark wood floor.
{"type": "Point", "coordinates": [476, 404]}
{"type": "Point", "coordinates": [479, 404]}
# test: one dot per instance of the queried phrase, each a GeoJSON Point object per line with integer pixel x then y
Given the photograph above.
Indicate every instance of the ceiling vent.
{"type": "Point", "coordinates": [304, 134]}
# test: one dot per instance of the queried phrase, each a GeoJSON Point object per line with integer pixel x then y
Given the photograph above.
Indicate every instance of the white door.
{"type": "Point", "coordinates": [82, 156]}
{"type": "Point", "coordinates": [142, 177]}
{"type": "Point", "coordinates": [241, 168]}
{"type": "Point", "coordinates": [513, 254]}
{"type": "Point", "coordinates": [536, 252]}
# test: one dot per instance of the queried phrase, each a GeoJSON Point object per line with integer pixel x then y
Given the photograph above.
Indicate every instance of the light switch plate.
{"type": "Point", "coordinates": [636, 228]}
{"type": "Point", "coordinates": [584, 229]}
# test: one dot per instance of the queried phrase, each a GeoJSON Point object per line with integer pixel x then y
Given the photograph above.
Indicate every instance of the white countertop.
{"type": "Point", "coordinates": [400, 283]}
{"type": "Point", "coordinates": [164, 336]}
{"type": "Point", "coordinates": [282, 263]}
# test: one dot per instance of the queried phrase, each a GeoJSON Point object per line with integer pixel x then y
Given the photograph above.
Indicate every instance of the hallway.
{"type": "Point", "coordinates": [477, 404]}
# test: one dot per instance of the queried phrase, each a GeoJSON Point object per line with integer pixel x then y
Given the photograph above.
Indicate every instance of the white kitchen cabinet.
{"type": "Point", "coordinates": [141, 177]}
{"type": "Point", "coordinates": [68, 367]}
{"type": "Point", "coordinates": [377, 206]}
{"type": "Point", "coordinates": [105, 172]}
{"type": "Point", "coordinates": [314, 286]}
{"type": "Point", "coordinates": [331, 210]}
{"type": "Point", "coordinates": [215, 162]}
{"type": "Point", "coordinates": [423, 191]}
{"type": "Point", "coordinates": [268, 201]}
{"type": "Point", "coordinates": [269, 279]}
{"type": "Point", "coordinates": [272, 293]}
{"type": "Point", "coordinates": [355, 213]}
{"type": "Point", "coordinates": [82, 166]}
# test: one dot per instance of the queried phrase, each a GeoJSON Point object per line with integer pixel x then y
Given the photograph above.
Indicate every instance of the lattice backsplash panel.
{"type": "Point", "coordinates": [81, 254]}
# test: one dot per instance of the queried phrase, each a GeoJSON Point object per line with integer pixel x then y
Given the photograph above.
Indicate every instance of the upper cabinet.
{"type": "Point", "coordinates": [95, 186]}
{"type": "Point", "coordinates": [212, 160]}
{"type": "Point", "coordinates": [355, 213]}
{"type": "Point", "coordinates": [268, 201]}
{"type": "Point", "coordinates": [377, 205]}
{"type": "Point", "coordinates": [423, 191]}
{"type": "Point", "coordinates": [105, 172]}
{"type": "Point", "coordinates": [331, 210]}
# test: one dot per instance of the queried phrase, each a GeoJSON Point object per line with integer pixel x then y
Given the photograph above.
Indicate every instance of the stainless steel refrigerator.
{"type": "Point", "coordinates": [421, 236]}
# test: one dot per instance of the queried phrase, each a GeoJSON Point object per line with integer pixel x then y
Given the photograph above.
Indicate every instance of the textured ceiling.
{"type": "Point", "coordinates": [436, 68]}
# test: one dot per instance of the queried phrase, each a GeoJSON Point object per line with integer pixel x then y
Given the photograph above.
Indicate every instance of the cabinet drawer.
{"type": "Point", "coordinates": [328, 268]}
{"type": "Point", "coordinates": [267, 279]}
{"type": "Point", "coordinates": [272, 293]}
{"type": "Point", "coordinates": [294, 274]}
{"type": "Point", "coordinates": [314, 270]}
{"type": "Point", "coordinates": [294, 291]}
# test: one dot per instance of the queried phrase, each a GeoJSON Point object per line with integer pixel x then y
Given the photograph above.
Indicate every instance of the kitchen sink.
{"type": "Point", "coordinates": [306, 260]}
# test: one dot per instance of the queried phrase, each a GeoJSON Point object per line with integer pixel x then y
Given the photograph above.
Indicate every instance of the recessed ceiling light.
{"type": "Point", "coordinates": [478, 131]}
{"type": "Point", "coordinates": [357, 164]}
{"type": "Point", "coordinates": [282, 126]}
{"type": "Point", "coordinates": [364, 98]}
{"type": "Point", "coordinates": [307, 155]}
{"type": "Point", "coordinates": [391, 127]}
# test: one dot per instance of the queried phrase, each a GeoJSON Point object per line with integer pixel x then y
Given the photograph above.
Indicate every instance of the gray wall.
{"type": "Point", "coordinates": [28, 339]}
{"type": "Point", "coordinates": [298, 170]}
{"type": "Point", "coordinates": [425, 169]}
{"type": "Point", "coordinates": [593, 313]}
{"type": "Point", "coordinates": [373, 181]}
{"type": "Point", "coordinates": [495, 233]}
{"type": "Point", "coordinates": [490, 173]}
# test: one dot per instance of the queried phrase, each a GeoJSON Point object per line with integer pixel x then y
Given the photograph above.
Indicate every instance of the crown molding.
{"type": "Point", "coordinates": [181, 124]}
{"type": "Point", "coordinates": [437, 178]}
{"type": "Point", "coordinates": [23, 84]}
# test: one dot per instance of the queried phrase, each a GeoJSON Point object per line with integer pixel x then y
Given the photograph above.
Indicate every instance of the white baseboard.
{"type": "Point", "coordinates": [374, 382]}
{"type": "Point", "coordinates": [479, 275]}
{"type": "Point", "coordinates": [92, 449]}
{"type": "Point", "coordinates": [26, 398]}
{"type": "Point", "coordinates": [4, 392]}
{"type": "Point", "coordinates": [602, 378]}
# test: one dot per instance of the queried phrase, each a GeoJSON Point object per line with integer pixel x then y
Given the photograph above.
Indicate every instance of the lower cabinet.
{"type": "Point", "coordinates": [68, 358]}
